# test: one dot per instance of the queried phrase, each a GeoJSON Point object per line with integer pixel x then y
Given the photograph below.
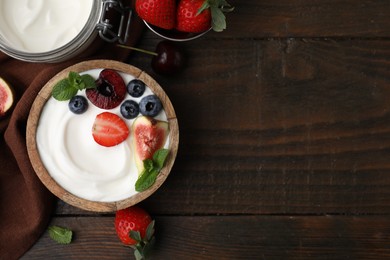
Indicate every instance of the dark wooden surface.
{"type": "Point", "coordinates": [284, 141]}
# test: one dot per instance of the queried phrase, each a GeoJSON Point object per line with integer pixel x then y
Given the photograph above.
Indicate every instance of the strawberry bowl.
{"type": "Point", "coordinates": [102, 135]}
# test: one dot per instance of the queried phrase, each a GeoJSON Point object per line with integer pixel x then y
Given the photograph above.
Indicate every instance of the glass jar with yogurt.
{"type": "Point", "coordinates": [57, 30]}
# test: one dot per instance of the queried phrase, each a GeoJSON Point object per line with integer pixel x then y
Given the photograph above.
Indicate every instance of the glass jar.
{"type": "Point", "coordinates": [100, 22]}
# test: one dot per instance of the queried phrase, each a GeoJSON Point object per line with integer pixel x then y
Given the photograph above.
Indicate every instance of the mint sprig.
{"type": "Point", "coordinates": [60, 234]}
{"type": "Point", "coordinates": [67, 88]}
{"type": "Point", "coordinates": [152, 168]}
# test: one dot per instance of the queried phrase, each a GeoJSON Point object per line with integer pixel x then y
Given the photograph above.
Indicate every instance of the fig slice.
{"type": "Point", "coordinates": [150, 135]}
{"type": "Point", "coordinates": [6, 97]}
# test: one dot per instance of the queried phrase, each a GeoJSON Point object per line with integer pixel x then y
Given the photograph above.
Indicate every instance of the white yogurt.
{"type": "Point", "coordinates": [76, 162]}
{"type": "Point", "coordinates": [42, 25]}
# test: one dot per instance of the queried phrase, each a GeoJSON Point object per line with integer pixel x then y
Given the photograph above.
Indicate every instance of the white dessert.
{"type": "Point", "coordinates": [42, 25]}
{"type": "Point", "coordinates": [73, 158]}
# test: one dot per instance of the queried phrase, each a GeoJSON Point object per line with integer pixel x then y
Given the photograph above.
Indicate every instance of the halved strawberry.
{"type": "Point", "coordinates": [110, 90]}
{"type": "Point", "coordinates": [161, 13]}
{"type": "Point", "coordinates": [109, 129]}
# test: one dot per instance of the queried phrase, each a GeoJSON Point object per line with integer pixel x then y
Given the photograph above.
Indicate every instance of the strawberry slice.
{"type": "Point", "coordinates": [109, 129]}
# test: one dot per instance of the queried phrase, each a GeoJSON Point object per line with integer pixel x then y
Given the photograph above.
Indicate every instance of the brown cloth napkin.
{"type": "Point", "coordinates": [25, 204]}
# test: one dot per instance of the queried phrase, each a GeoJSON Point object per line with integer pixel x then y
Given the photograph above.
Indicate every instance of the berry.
{"type": "Point", "coordinates": [136, 88]}
{"type": "Point", "coordinates": [157, 12]}
{"type": "Point", "coordinates": [110, 90]}
{"type": "Point", "coordinates": [129, 109]}
{"type": "Point", "coordinates": [78, 104]}
{"type": "Point", "coordinates": [109, 129]}
{"type": "Point", "coordinates": [150, 106]}
{"type": "Point", "coordinates": [170, 58]}
{"type": "Point", "coordinates": [196, 16]}
{"type": "Point", "coordinates": [135, 220]}
{"type": "Point", "coordinates": [188, 19]}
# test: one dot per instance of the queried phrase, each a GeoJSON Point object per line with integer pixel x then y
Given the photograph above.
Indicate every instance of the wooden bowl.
{"type": "Point", "coordinates": [45, 176]}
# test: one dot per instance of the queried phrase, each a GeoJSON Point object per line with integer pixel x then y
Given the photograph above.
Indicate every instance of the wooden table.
{"type": "Point", "coordinates": [284, 141]}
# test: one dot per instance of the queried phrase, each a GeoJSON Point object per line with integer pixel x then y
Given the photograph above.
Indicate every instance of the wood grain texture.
{"type": "Point", "coordinates": [284, 140]}
{"type": "Point", "coordinates": [307, 18]}
{"type": "Point", "coordinates": [229, 237]}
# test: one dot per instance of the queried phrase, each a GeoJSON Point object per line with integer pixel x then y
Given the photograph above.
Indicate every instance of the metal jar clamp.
{"type": "Point", "coordinates": [106, 28]}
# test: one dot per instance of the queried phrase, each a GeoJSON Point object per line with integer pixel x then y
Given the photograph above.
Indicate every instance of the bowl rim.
{"type": "Point", "coordinates": [44, 176]}
{"type": "Point", "coordinates": [160, 32]}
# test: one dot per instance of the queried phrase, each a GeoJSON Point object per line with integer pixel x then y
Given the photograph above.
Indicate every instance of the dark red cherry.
{"type": "Point", "coordinates": [170, 58]}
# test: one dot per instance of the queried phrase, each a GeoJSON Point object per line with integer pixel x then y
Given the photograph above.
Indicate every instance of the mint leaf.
{"type": "Point", "coordinates": [148, 165]}
{"type": "Point", "coordinates": [151, 170]}
{"type": "Point", "coordinates": [63, 90]}
{"type": "Point", "coordinates": [73, 78]}
{"type": "Point", "coordinates": [60, 234]}
{"type": "Point", "coordinates": [89, 81]}
{"type": "Point", "coordinates": [67, 88]}
{"type": "Point", "coordinates": [159, 157]}
{"type": "Point", "coordinates": [146, 180]}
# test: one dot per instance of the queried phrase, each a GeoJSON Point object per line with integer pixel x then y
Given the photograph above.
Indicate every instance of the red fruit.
{"type": "Point", "coordinates": [150, 135]}
{"type": "Point", "coordinates": [6, 97]}
{"type": "Point", "coordinates": [188, 19]}
{"type": "Point", "coordinates": [131, 219]}
{"type": "Point", "coordinates": [109, 129]}
{"type": "Point", "coordinates": [161, 13]}
{"type": "Point", "coordinates": [170, 59]}
{"type": "Point", "coordinates": [110, 90]}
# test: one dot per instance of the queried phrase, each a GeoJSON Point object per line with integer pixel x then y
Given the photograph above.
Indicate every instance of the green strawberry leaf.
{"type": "Point", "coordinates": [218, 19]}
{"type": "Point", "coordinates": [63, 90]}
{"type": "Point", "coordinates": [217, 9]}
{"type": "Point", "coordinates": [60, 234]}
{"type": "Point", "coordinates": [144, 246]}
{"type": "Point", "coordinates": [135, 235]}
{"type": "Point", "coordinates": [138, 255]}
{"type": "Point", "coordinates": [204, 6]}
{"type": "Point", "coordinates": [149, 231]}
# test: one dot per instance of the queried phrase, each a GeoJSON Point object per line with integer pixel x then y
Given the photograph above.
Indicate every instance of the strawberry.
{"type": "Point", "coordinates": [109, 129]}
{"type": "Point", "coordinates": [135, 228]}
{"type": "Point", "coordinates": [188, 19]}
{"type": "Point", "coordinates": [160, 13]}
{"type": "Point", "coordinates": [197, 16]}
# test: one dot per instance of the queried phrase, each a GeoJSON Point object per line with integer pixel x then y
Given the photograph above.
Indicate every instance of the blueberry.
{"type": "Point", "coordinates": [150, 105]}
{"type": "Point", "coordinates": [129, 109]}
{"type": "Point", "coordinates": [136, 88]}
{"type": "Point", "coordinates": [78, 104]}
